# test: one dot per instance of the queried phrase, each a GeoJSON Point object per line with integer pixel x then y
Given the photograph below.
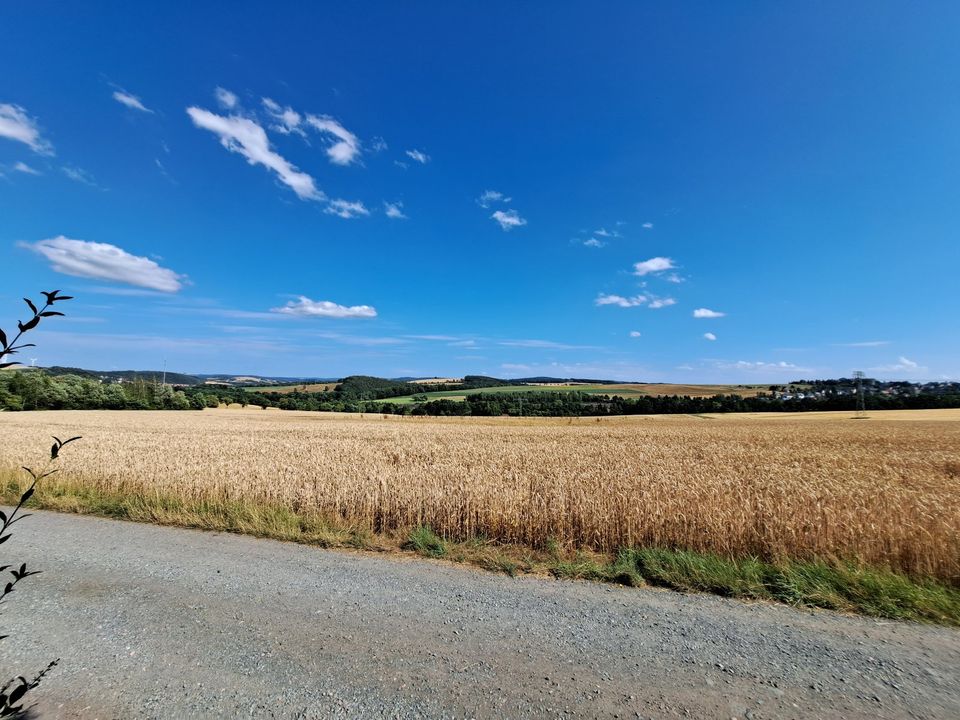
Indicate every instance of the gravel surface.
{"type": "Point", "coordinates": [155, 622]}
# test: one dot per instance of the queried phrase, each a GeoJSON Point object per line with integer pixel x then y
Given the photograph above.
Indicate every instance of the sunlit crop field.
{"type": "Point", "coordinates": [885, 490]}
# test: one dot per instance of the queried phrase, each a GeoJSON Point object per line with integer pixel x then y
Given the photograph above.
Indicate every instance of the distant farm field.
{"type": "Point", "coordinates": [284, 389]}
{"type": "Point", "coordinates": [882, 491]}
{"type": "Point", "coordinates": [614, 390]}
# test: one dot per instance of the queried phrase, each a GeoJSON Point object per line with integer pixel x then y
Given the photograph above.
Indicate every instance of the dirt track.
{"type": "Point", "coordinates": [156, 622]}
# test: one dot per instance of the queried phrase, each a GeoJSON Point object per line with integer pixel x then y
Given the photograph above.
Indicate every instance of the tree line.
{"type": "Point", "coordinates": [37, 390]}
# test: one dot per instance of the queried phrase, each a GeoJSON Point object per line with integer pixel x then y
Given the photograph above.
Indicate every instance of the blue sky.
{"type": "Point", "coordinates": [690, 192]}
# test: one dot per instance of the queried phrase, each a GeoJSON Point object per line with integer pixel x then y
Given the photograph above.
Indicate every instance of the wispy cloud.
{"type": "Point", "coordinates": [620, 300]}
{"type": "Point", "coordinates": [604, 233]}
{"type": "Point", "coordinates": [394, 210]}
{"type": "Point", "coordinates": [346, 209]}
{"type": "Point", "coordinates": [710, 336]}
{"type": "Point", "coordinates": [345, 147]}
{"type": "Point", "coordinates": [81, 176]}
{"type": "Point", "coordinates": [761, 366]}
{"type": "Point", "coordinates": [647, 226]}
{"type": "Point", "coordinates": [866, 344]}
{"type": "Point", "coordinates": [361, 340]}
{"type": "Point", "coordinates": [16, 125]}
{"type": "Point", "coordinates": [102, 261]}
{"type": "Point", "coordinates": [594, 243]}
{"type": "Point", "coordinates": [543, 345]}
{"type": "Point", "coordinates": [653, 266]}
{"type": "Point", "coordinates": [419, 156]}
{"type": "Point", "coordinates": [634, 333]}
{"type": "Point", "coordinates": [707, 313]}
{"type": "Point", "coordinates": [489, 197]}
{"type": "Point", "coordinates": [130, 101]}
{"type": "Point", "coordinates": [226, 99]}
{"type": "Point", "coordinates": [245, 137]}
{"type": "Point", "coordinates": [305, 307]}
{"type": "Point", "coordinates": [287, 119]}
{"type": "Point", "coordinates": [26, 169]}
{"type": "Point", "coordinates": [903, 365]}
{"type": "Point", "coordinates": [508, 219]}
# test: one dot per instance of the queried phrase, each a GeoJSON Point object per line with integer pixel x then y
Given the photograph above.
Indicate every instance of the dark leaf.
{"type": "Point", "coordinates": [50, 313]}
{"type": "Point", "coordinates": [29, 325]}
{"type": "Point", "coordinates": [20, 347]}
{"type": "Point", "coordinates": [8, 589]}
{"type": "Point", "coordinates": [32, 306]}
{"type": "Point", "coordinates": [6, 365]}
{"type": "Point", "coordinates": [32, 473]}
{"type": "Point", "coordinates": [65, 297]}
{"type": "Point", "coordinates": [3, 517]}
{"type": "Point", "coordinates": [51, 296]}
{"type": "Point", "coordinates": [26, 495]}
{"type": "Point", "coordinates": [4, 539]}
{"type": "Point", "coordinates": [3, 338]}
{"type": "Point", "coordinates": [70, 440]}
{"type": "Point", "coordinates": [54, 451]}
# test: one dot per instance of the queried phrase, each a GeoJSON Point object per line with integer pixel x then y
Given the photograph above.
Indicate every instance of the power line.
{"type": "Point", "coordinates": [861, 402]}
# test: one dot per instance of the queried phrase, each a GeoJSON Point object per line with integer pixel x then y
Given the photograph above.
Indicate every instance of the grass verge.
{"type": "Point", "coordinates": [839, 586]}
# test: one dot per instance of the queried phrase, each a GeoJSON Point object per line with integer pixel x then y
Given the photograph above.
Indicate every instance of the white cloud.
{"type": "Point", "coordinates": [378, 145]}
{"type": "Point", "coordinates": [653, 266]}
{"type": "Point", "coordinates": [509, 219]}
{"type": "Point", "coordinates": [346, 148]}
{"type": "Point", "coordinates": [81, 176]}
{"type": "Point", "coordinates": [604, 233]}
{"type": "Point", "coordinates": [761, 366]}
{"type": "Point", "coordinates": [543, 345]}
{"type": "Point", "coordinates": [488, 197]}
{"type": "Point", "coordinates": [419, 156]}
{"type": "Point", "coordinates": [24, 168]}
{"type": "Point", "coordinates": [620, 301]}
{"type": "Point", "coordinates": [394, 210]}
{"type": "Point", "coordinates": [102, 261]}
{"type": "Point", "coordinates": [346, 209]}
{"type": "Point", "coordinates": [710, 336]}
{"type": "Point", "coordinates": [869, 343]}
{"type": "Point", "coordinates": [287, 118]}
{"type": "Point", "coordinates": [706, 313]}
{"type": "Point", "coordinates": [634, 334]}
{"type": "Point", "coordinates": [674, 278]}
{"type": "Point", "coordinates": [902, 365]}
{"type": "Point", "coordinates": [647, 226]}
{"type": "Point", "coordinates": [15, 124]}
{"type": "Point", "coordinates": [226, 99]}
{"type": "Point", "coordinates": [657, 303]}
{"type": "Point", "coordinates": [594, 243]}
{"type": "Point", "coordinates": [131, 101]}
{"type": "Point", "coordinates": [305, 307]}
{"type": "Point", "coordinates": [244, 136]}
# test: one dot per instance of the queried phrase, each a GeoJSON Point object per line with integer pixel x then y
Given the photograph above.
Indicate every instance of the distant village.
{"type": "Point", "coordinates": [823, 389]}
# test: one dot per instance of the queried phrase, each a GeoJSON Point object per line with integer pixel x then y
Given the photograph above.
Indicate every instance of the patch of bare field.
{"type": "Point", "coordinates": [882, 491]}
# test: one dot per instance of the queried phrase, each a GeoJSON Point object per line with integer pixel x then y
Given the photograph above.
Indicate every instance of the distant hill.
{"type": "Point", "coordinates": [172, 378]}
{"type": "Point", "coordinates": [556, 381]}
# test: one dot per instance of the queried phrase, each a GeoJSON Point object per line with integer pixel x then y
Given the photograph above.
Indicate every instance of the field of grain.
{"type": "Point", "coordinates": [821, 485]}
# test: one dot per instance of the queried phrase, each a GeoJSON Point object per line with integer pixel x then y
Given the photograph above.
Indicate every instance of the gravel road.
{"type": "Point", "coordinates": [157, 622]}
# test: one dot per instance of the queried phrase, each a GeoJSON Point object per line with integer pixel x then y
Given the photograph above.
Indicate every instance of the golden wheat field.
{"type": "Point", "coordinates": [883, 490]}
